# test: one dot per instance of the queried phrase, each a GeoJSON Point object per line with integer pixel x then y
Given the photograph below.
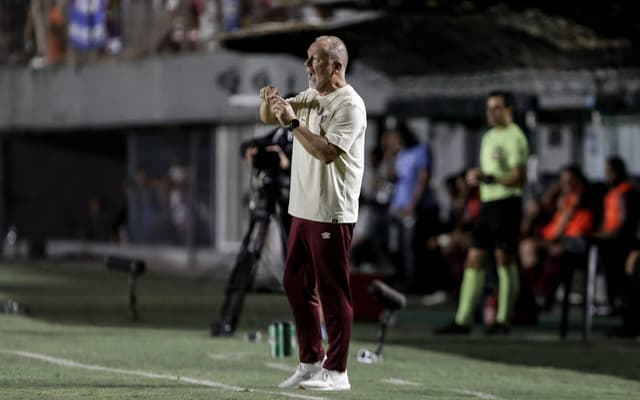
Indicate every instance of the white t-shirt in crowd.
{"type": "Point", "coordinates": [329, 192]}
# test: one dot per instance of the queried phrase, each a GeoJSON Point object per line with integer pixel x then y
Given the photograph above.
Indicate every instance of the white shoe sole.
{"type": "Point", "coordinates": [327, 389]}
{"type": "Point", "coordinates": [293, 384]}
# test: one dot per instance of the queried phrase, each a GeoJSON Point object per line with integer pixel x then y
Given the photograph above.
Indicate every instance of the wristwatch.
{"type": "Point", "coordinates": [293, 124]}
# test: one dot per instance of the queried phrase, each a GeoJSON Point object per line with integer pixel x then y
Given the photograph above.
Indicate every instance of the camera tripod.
{"type": "Point", "coordinates": [263, 205]}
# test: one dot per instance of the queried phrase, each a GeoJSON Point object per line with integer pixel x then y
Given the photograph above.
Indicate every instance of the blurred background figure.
{"type": "Point", "coordinates": [370, 249]}
{"type": "Point", "coordinates": [616, 235]}
{"type": "Point", "coordinates": [178, 186]}
{"type": "Point", "coordinates": [630, 327]}
{"type": "Point", "coordinates": [184, 31]}
{"type": "Point", "coordinates": [546, 255]}
{"type": "Point", "coordinates": [56, 33]}
{"type": "Point", "coordinates": [504, 152]}
{"type": "Point", "coordinates": [115, 28]}
{"type": "Point", "coordinates": [414, 212]}
{"type": "Point", "coordinates": [455, 240]}
{"type": "Point", "coordinates": [87, 26]}
{"type": "Point", "coordinates": [143, 209]}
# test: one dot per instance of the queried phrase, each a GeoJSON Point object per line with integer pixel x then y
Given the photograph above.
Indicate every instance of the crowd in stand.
{"type": "Point", "coordinates": [50, 32]}
{"type": "Point", "coordinates": [400, 232]}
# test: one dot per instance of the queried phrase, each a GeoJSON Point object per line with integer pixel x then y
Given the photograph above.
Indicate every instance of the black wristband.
{"type": "Point", "coordinates": [489, 179]}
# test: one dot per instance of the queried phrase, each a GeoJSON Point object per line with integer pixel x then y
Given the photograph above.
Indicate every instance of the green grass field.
{"type": "Point", "coordinates": [79, 344]}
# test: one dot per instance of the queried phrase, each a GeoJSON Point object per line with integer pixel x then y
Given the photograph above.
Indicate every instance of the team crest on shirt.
{"type": "Point", "coordinates": [323, 118]}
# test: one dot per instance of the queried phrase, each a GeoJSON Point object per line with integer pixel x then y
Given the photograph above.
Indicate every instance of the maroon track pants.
{"type": "Point", "coordinates": [318, 256]}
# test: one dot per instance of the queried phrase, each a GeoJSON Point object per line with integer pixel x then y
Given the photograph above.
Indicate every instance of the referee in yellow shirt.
{"type": "Point", "coordinates": [501, 176]}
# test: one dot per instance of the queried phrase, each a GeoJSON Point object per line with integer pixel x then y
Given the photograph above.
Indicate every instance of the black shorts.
{"type": "Point", "coordinates": [498, 225]}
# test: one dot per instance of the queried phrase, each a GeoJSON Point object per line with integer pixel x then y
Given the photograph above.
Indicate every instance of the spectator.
{"type": "Point", "coordinates": [370, 245]}
{"type": "Point", "coordinates": [255, 12]}
{"type": "Point", "coordinates": [616, 234]}
{"type": "Point", "coordinates": [195, 10]}
{"type": "Point", "coordinates": [411, 204]}
{"type": "Point", "coordinates": [143, 209]}
{"type": "Point", "coordinates": [56, 34]}
{"type": "Point", "coordinates": [631, 305]}
{"type": "Point", "coordinates": [383, 160]}
{"type": "Point", "coordinates": [87, 24]}
{"type": "Point", "coordinates": [467, 204]}
{"type": "Point", "coordinates": [179, 179]}
{"type": "Point", "coordinates": [114, 27]}
{"type": "Point", "coordinates": [544, 257]}
{"type": "Point", "coordinates": [184, 31]}
{"type": "Point", "coordinates": [455, 243]}
{"type": "Point", "coordinates": [539, 212]}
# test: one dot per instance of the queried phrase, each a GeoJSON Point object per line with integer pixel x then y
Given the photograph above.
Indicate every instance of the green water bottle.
{"type": "Point", "coordinates": [294, 338]}
{"type": "Point", "coordinates": [281, 339]}
{"type": "Point", "coordinates": [273, 339]}
{"type": "Point", "coordinates": [286, 340]}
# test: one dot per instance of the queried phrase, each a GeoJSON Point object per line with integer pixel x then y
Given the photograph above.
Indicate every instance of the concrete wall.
{"type": "Point", "coordinates": [209, 87]}
{"type": "Point", "coordinates": [157, 90]}
{"type": "Point", "coordinates": [222, 87]}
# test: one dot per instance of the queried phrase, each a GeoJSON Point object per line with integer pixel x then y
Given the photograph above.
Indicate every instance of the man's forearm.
{"type": "Point", "coordinates": [517, 178]}
{"type": "Point", "coordinates": [316, 145]}
{"type": "Point", "coordinates": [510, 180]}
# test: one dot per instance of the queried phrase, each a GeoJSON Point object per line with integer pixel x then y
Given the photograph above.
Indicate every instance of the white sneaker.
{"type": "Point", "coordinates": [327, 380]}
{"type": "Point", "coordinates": [302, 373]}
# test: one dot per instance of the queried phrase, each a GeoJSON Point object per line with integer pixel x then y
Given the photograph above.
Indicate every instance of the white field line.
{"type": "Point", "coordinates": [280, 366]}
{"type": "Point", "coordinates": [402, 382]}
{"type": "Point", "coordinates": [241, 356]}
{"type": "Point", "coordinates": [146, 374]}
{"type": "Point", "coordinates": [228, 356]}
{"type": "Point", "coordinates": [480, 395]}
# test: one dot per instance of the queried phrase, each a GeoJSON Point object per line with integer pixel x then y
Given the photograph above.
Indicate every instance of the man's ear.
{"type": "Point", "coordinates": [338, 66]}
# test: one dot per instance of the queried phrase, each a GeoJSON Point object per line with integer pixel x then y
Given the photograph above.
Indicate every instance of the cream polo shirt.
{"type": "Point", "coordinates": [329, 192]}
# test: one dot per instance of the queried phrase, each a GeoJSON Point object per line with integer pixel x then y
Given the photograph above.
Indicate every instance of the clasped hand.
{"type": "Point", "coordinates": [280, 108]}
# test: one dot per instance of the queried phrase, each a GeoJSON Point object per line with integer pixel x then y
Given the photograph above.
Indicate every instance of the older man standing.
{"type": "Point", "coordinates": [328, 121]}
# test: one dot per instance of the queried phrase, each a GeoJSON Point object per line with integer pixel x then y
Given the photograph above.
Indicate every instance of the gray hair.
{"type": "Point", "coordinates": [336, 49]}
